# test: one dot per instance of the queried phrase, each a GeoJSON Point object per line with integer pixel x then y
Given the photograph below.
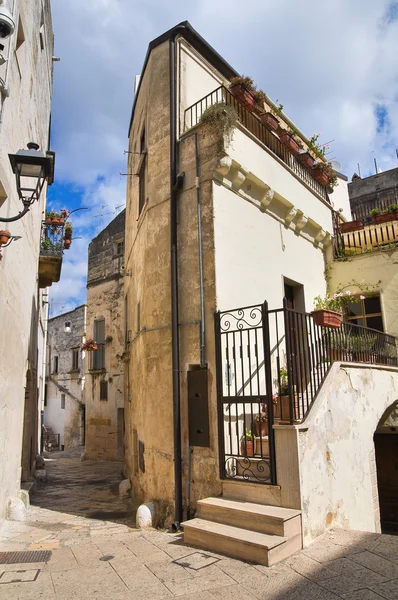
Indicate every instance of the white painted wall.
{"type": "Point", "coordinates": [25, 117]}
{"type": "Point", "coordinates": [337, 457]}
{"type": "Point", "coordinates": [254, 252]}
{"type": "Point", "coordinates": [340, 198]}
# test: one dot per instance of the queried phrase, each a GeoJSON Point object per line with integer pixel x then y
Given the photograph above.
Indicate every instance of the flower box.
{"type": "Point", "coordinates": [351, 226]}
{"type": "Point", "coordinates": [269, 121]}
{"type": "Point", "coordinates": [4, 237]}
{"type": "Point", "coordinates": [384, 217]}
{"type": "Point", "coordinates": [320, 175]}
{"type": "Point", "coordinates": [243, 95]}
{"type": "Point", "coordinates": [327, 318]}
{"type": "Point", "coordinates": [306, 160]}
{"type": "Point", "coordinates": [289, 143]}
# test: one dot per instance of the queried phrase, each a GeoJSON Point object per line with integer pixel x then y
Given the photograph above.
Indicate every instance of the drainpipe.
{"type": "Point", "coordinates": [174, 291]}
{"type": "Point", "coordinates": [200, 252]}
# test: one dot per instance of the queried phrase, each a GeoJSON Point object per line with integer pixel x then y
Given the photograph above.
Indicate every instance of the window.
{"type": "Point", "coordinates": [42, 32]}
{"type": "Point", "coordinates": [63, 401]}
{"type": "Point", "coordinates": [366, 313]}
{"type": "Point", "coordinates": [142, 172]}
{"type": "Point", "coordinates": [119, 248]}
{"type": "Point", "coordinates": [103, 390]}
{"type": "Point", "coordinates": [75, 359]}
{"type": "Point", "coordinates": [98, 356]}
{"type": "Point", "coordinates": [55, 364]}
{"type": "Point", "coordinates": [67, 327]}
{"type": "Point", "coordinates": [45, 395]}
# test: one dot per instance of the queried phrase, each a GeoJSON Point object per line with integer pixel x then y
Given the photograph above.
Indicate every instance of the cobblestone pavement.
{"type": "Point", "coordinates": [104, 559]}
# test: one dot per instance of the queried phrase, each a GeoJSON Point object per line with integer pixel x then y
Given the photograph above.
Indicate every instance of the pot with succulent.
{"type": "Point", "coordinates": [328, 311]}
{"type": "Point", "coordinates": [243, 88]}
{"type": "Point", "coordinates": [247, 444]}
{"type": "Point", "coordinates": [4, 237]}
{"type": "Point", "coordinates": [90, 345]}
{"type": "Point", "coordinates": [68, 230]}
{"type": "Point", "coordinates": [281, 400]}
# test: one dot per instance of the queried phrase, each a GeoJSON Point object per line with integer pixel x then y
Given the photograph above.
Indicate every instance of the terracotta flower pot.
{"type": "Point", "coordinates": [289, 143]}
{"type": "Point", "coordinates": [327, 318]}
{"type": "Point", "coordinates": [351, 226]}
{"type": "Point", "coordinates": [247, 448]}
{"type": "Point", "coordinates": [68, 234]}
{"type": "Point", "coordinates": [243, 95]}
{"type": "Point", "coordinates": [306, 160]}
{"type": "Point", "coordinates": [260, 427]}
{"type": "Point", "coordinates": [320, 176]}
{"type": "Point", "coordinates": [48, 220]}
{"type": "Point", "coordinates": [4, 236]}
{"type": "Point", "coordinates": [67, 244]}
{"type": "Point", "coordinates": [269, 121]}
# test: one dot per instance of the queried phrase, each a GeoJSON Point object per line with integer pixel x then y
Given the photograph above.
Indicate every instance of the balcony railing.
{"type": "Point", "coordinates": [52, 240]}
{"type": "Point", "coordinates": [361, 207]}
{"type": "Point", "coordinates": [253, 124]}
{"type": "Point", "coordinates": [370, 238]}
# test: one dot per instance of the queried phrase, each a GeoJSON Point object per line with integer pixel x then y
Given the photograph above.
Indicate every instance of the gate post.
{"type": "Point", "coordinates": [289, 363]}
{"type": "Point", "coordinates": [220, 404]}
{"type": "Point", "coordinates": [268, 390]}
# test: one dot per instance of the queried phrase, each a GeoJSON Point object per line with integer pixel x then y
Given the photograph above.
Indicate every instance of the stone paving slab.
{"type": "Point", "coordinates": [103, 559]}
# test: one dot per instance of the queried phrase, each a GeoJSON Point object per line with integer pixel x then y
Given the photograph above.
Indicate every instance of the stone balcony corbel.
{"type": "Point", "coordinates": [301, 223]}
{"type": "Point", "coordinates": [266, 199]}
{"type": "Point", "coordinates": [291, 215]}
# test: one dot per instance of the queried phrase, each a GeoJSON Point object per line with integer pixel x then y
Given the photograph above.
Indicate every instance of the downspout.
{"type": "Point", "coordinates": [174, 291]}
{"type": "Point", "coordinates": [200, 252]}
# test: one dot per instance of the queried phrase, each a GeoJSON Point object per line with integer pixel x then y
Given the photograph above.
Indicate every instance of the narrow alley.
{"type": "Point", "coordinates": [78, 542]}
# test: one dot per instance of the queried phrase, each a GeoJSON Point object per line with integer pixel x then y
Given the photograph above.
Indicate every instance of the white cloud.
{"type": "Point", "coordinates": [329, 63]}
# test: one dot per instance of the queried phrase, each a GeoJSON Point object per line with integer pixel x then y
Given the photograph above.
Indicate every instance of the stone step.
{"type": "Point", "coordinates": [285, 522]}
{"type": "Point", "coordinates": [239, 543]}
{"type": "Point", "coordinates": [252, 492]}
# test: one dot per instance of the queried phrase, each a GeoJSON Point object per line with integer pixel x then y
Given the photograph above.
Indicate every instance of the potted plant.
{"type": "Point", "coordinates": [261, 424]}
{"type": "Point", "coordinates": [329, 310]}
{"type": "Point", "coordinates": [242, 88]}
{"type": "Point", "coordinates": [247, 446]}
{"type": "Point", "coordinates": [4, 236]}
{"type": "Point", "coordinates": [52, 217]}
{"type": "Point", "coordinates": [67, 243]}
{"type": "Point", "coordinates": [68, 230]}
{"type": "Point", "coordinates": [287, 139]}
{"type": "Point", "coordinates": [393, 208]}
{"type": "Point", "coordinates": [63, 215]}
{"type": "Point", "coordinates": [381, 217]}
{"type": "Point", "coordinates": [349, 226]}
{"type": "Point", "coordinates": [90, 345]}
{"type": "Point", "coordinates": [47, 244]}
{"type": "Point", "coordinates": [306, 159]}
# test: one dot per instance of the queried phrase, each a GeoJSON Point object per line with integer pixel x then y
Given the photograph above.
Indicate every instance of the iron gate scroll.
{"type": "Point", "coordinates": [244, 389]}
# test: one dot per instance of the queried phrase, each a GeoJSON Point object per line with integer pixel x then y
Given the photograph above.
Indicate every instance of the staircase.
{"type": "Point", "coordinates": [259, 533]}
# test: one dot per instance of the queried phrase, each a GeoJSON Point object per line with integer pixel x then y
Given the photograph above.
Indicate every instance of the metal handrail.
{"type": "Point", "coordinates": [254, 125]}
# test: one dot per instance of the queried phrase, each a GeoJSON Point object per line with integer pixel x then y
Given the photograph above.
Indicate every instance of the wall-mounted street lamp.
{"type": "Point", "coordinates": [30, 165]}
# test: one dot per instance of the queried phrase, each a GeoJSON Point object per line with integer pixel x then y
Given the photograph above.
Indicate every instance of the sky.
{"type": "Point", "coordinates": [331, 64]}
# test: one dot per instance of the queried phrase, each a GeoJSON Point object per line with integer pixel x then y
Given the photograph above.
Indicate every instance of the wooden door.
{"type": "Point", "coordinates": [386, 446]}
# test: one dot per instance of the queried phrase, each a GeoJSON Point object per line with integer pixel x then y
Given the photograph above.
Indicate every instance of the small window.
{"type": "Point", "coordinates": [45, 395]}
{"type": "Point", "coordinates": [67, 327]}
{"type": "Point", "coordinates": [366, 313]}
{"type": "Point", "coordinates": [142, 186]}
{"type": "Point", "coordinates": [75, 359]}
{"type": "Point", "coordinates": [143, 141]}
{"type": "Point", "coordinates": [103, 390]}
{"type": "Point", "coordinates": [119, 248]}
{"type": "Point", "coordinates": [63, 401]}
{"type": "Point", "coordinates": [55, 364]}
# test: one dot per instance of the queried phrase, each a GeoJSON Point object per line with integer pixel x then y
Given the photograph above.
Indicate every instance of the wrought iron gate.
{"type": "Point", "coordinates": [244, 389]}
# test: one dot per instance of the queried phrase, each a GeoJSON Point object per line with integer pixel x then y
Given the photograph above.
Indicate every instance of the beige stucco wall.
{"type": "Point", "coordinates": [336, 449]}
{"type": "Point", "coordinates": [25, 117]}
{"type": "Point", "coordinates": [373, 272]}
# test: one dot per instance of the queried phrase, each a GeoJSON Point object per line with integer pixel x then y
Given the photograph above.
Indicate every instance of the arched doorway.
{"type": "Point", "coordinates": [386, 450]}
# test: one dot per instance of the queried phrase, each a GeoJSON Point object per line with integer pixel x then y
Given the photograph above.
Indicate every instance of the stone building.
{"type": "Point", "coordinates": [104, 386]}
{"type": "Point", "coordinates": [26, 69]}
{"type": "Point", "coordinates": [64, 410]}
{"type": "Point", "coordinates": [232, 396]}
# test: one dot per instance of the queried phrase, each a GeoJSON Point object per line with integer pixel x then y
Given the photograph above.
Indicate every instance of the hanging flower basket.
{"type": "Point", "coordinates": [306, 160]}
{"type": "Point", "coordinates": [320, 175]}
{"type": "Point", "coordinates": [327, 318]}
{"type": "Point", "coordinates": [90, 345]}
{"type": "Point", "coordinates": [243, 95]}
{"type": "Point", "coordinates": [269, 121]}
{"type": "Point", "coordinates": [4, 236]}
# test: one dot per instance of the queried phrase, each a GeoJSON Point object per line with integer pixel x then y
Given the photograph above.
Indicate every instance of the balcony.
{"type": "Point", "coordinates": [356, 238]}
{"type": "Point", "coordinates": [97, 358]}
{"type": "Point", "coordinates": [51, 253]}
{"type": "Point", "coordinates": [251, 122]}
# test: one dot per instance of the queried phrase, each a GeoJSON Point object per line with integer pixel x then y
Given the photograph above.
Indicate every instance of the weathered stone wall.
{"type": "Point", "coordinates": [105, 300]}
{"type": "Point", "coordinates": [373, 184]}
{"type": "Point", "coordinates": [60, 343]}
{"type": "Point", "coordinates": [25, 116]}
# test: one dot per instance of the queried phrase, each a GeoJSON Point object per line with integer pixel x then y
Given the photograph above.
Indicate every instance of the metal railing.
{"type": "Point", "coordinates": [306, 352]}
{"type": "Point", "coordinates": [371, 238]}
{"type": "Point", "coordinates": [52, 240]}
{"type": "Point", "coordinates": [361, 207]}
{"type": "Point", "coordinates": [253, 124]}
{"type": "Point", "coordinates": [97, 358]}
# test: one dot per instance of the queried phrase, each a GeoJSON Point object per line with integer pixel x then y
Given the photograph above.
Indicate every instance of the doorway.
{"type": "Point", "coordinates": [386, 449]}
